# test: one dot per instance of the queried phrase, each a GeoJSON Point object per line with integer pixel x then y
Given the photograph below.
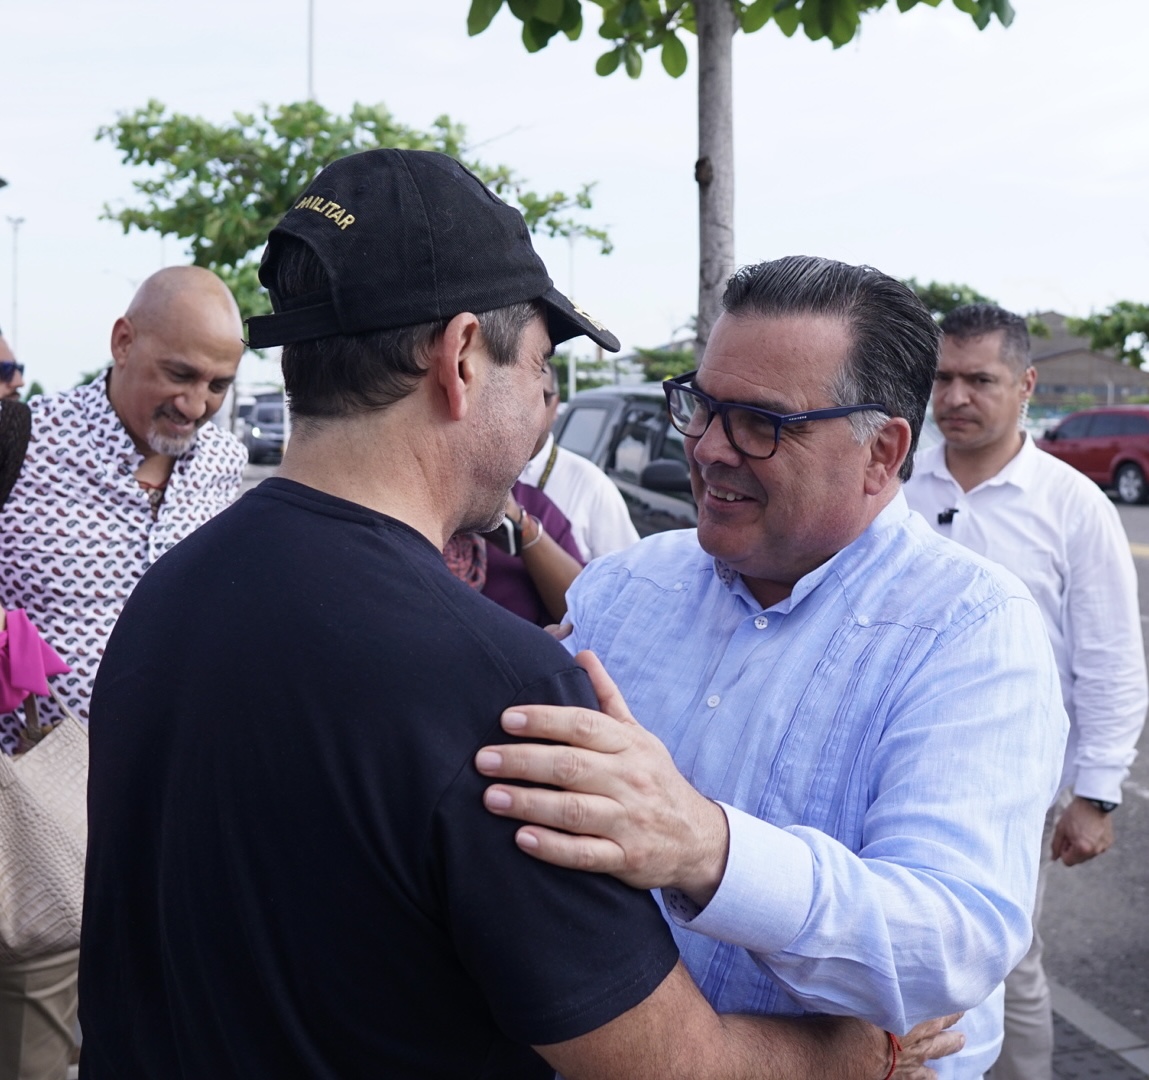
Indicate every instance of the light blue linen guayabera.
{"type": "Point", "coordinates": [885, 743]}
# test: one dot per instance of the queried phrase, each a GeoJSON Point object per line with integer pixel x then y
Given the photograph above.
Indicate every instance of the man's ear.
{"type": "Point", "coordinates": [123, 334]}
{"type": "Point", "coordinates": [454, 363]}
{"type": "Point", "coordinates": [888, 449]}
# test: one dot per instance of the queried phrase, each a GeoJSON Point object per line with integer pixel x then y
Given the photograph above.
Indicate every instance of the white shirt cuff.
{"type": "Point", "coordinates": [1099, 782]}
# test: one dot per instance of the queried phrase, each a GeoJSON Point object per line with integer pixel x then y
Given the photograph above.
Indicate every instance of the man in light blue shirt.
{"type": "Point", "coordinates": [865, 719]}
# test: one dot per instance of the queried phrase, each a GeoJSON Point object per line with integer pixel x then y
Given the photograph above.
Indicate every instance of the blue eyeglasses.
{"type": "Point", "coordinates": [9, 369]}
{"type": "Point", "coordinates": [753, 432]}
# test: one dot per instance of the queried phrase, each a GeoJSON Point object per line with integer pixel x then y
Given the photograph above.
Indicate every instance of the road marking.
{"type": "Point", "coordinates": [1140, 551]}
{"type": "Point", "coordinates": [1108, 1033]}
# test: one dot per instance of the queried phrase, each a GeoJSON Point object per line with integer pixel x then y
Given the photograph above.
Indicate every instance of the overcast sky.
{"type": "Point", "coordinates": [1014, 160]}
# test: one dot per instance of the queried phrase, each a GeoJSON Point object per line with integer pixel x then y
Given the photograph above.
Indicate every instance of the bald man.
{"type": "Point", "coordinates": [116, 473]}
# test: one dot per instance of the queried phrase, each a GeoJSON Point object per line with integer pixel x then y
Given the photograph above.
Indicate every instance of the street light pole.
{"type": "Point", "coordinates": [15, 222]}
{"type": "Point", "coordinates": [310, 50]}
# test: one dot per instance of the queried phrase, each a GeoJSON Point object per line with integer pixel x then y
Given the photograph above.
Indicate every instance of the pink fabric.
{"type": "Point", "coordinates": [26, 661]}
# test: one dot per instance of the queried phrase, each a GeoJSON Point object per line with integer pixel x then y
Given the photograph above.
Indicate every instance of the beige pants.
{"type": "Point", "coordinates": [38, 1016]}
{"type": "Point", "coordinates": [1027, 1052]}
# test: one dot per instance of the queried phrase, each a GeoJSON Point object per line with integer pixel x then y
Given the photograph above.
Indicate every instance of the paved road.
{"type": "Point", "coordinates": [1097, 914]}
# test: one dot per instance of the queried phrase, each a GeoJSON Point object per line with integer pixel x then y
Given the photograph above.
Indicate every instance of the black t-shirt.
{"type": "Point", "coordinates": [290, 870]}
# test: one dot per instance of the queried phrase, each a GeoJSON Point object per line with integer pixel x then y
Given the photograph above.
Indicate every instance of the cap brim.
{"type": "Point", "coordinates": [566, 321]}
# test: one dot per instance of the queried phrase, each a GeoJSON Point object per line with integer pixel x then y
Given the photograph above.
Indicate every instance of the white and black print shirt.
{"type": "Point", "coordinates": [77, 531]}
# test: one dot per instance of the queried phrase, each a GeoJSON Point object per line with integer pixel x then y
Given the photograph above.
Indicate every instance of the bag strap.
{"type": "Point", "coordinates": [34, 729]}
{"type": "Point", "coordinates": [15, 434]}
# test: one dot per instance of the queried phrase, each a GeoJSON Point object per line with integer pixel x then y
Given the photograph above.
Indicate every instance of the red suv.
{"type": "Point", "coordinates": [1109, 444]}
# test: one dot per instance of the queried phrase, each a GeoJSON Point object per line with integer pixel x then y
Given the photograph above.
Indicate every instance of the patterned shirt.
{"type": "Point", "coordinates": [77, 531]}
{"type": "Point", "coordinates": [884, 742]}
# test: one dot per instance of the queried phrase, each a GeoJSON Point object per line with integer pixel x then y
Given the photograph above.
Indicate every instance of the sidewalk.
{"type": "Point", "coordinates": [1090, 1046]}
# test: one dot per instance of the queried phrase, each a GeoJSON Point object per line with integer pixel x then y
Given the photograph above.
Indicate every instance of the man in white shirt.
{"type": "Point", "coordinates": [600, 521]}
{"type": "Point", "coordinates": [989, 488]}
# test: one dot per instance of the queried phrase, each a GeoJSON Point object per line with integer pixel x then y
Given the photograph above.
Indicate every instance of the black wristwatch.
{"type": "Point", "coordinates": [1101, 804]}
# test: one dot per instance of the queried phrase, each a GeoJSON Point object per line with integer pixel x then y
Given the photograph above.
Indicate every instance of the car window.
{"type": "Point", "coordinates": [1074, 428]}
{"type": "Point", "coordinates": [1134, 424]}
{"type": "Point", "coordinates": [633, 451]}
{"type": "Point", "coordinates": [268, 414]}
{"type": "Point", "coordinates": [1107, 424]}
{"type": "Point", "coordinates": [673, 445]}
{"type": "Point", "coordinates": [583, 428]}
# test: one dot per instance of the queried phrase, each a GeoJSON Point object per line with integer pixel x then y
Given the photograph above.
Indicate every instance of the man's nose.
{"type": "Point", "coordinates": [954, 392]}
{"type": "Point", "coordinates": [714, 446]}
{"type": "Point", "coordinates": [193, 402]}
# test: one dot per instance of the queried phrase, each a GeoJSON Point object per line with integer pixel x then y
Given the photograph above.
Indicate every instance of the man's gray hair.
{"type": "Point", "coordinates": [893, 353]}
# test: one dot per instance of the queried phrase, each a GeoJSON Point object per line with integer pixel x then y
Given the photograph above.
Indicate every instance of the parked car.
{"type": "Point", "coordinates": [626, 432]}
{"type": "Point", "coordinates": [263, 432]}
{"type": "Point", "coordinates": [1110, 444]}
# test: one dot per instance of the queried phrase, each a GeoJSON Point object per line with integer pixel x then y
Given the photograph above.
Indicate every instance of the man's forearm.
{"type": "Point", "coordinates": [675, 1035]}
{"type": "Point", "coordinates": [825, 1047]}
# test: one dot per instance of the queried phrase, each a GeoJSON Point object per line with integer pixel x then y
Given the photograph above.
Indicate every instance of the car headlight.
{"type": "Point", "coordinates": [256, 433]}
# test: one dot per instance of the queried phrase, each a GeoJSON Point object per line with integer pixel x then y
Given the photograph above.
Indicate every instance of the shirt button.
{"type": "Point", "coordinates": [713, 700]}
{"type": "Point", "coordinates": [678, 586]}
{"type": "Point", "coordinates": [761, 622]}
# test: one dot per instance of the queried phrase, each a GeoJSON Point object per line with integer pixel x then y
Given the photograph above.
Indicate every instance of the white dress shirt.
{"type": "Point", "coordinates": [1057, 531]}
{"type": "Point", "coordinates": [595, 508]}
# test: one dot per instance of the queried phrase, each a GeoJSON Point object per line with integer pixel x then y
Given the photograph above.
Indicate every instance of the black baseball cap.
{"type": "Point", "coordinates": [407, 237]}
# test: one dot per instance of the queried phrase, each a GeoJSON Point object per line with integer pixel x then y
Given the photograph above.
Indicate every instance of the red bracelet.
{"type": "Point", "coordinates": [895, 1046]}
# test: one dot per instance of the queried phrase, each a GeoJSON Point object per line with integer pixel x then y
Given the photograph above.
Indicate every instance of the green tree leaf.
{"type": "Point", "coordinates": [633, 61]}
{"type": "Point", "coordinates": [549, 11]}
{"type": "Point", "coordinates": [608, 62]}
{"type": "Point", "coordinates": [481, 14]}
{"type": "Point", "coordinates": [756, 15]}
{"type": "Point", "coordinates": [673, 56]}
{"type": "Point", "coordinates": [788, 18]}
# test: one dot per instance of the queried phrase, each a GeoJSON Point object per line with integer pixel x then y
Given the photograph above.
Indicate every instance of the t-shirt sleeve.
{"type": "Point", "coordinates": [557, 953]}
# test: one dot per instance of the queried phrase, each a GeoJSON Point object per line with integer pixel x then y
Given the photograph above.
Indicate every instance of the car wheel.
{"type": "Point", "coordinates": [1130, 484]}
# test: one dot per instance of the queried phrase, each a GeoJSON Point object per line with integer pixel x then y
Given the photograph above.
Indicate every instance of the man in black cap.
{"type": "Point", "coordinates": [290, 872]}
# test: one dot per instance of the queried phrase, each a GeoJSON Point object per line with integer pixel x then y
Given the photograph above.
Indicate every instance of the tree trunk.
{"type": "Point", "coordinates": [714, 169]}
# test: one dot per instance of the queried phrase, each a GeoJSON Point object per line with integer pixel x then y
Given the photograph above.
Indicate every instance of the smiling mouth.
{"type": "Point", "coordinates": [725, 496]}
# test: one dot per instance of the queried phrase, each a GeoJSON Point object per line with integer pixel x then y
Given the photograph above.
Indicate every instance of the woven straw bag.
{"type": "Point", "coordinates": [43, 839]}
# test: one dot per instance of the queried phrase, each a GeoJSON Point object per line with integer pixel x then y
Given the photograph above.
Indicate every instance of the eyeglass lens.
{"type": "Point", "coordinates": [751, 433]}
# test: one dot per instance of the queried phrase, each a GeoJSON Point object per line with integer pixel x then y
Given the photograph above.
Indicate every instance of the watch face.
{"type": "Point", "coordinates": [1103, 806]}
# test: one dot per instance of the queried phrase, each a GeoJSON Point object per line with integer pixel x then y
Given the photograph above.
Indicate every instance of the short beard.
{"type": "Point", "coordinates": [163, 444]}
{"type": "Point", "coordinates": [172, 446]}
